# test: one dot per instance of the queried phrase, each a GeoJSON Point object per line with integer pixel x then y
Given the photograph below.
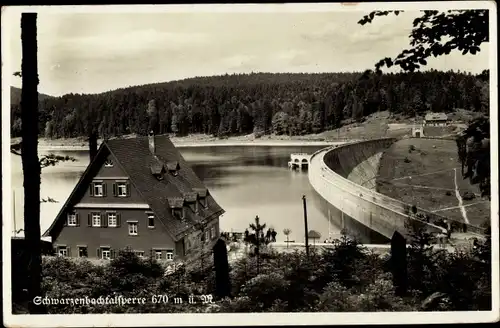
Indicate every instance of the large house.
{"type": "Point", "coordinates": [436, 119]}
{"type": "Point", "coordinates": [137, 194]}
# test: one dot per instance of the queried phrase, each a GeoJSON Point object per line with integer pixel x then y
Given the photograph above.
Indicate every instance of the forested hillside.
{"type": "Point", "coordinates": [261, 103]}
{"type": "Point", "coordinates": [15, 96]}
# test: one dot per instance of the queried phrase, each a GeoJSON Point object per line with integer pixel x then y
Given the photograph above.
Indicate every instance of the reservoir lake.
{"type": "Point", "coordinates": [245, 180]}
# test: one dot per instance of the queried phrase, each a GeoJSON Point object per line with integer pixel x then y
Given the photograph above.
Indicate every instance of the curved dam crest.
{"type": "Point", "coordinates": [345, 179]}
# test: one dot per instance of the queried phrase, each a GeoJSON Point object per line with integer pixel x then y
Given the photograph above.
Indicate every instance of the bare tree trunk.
{"type": "Point", "coordinates": [31, 165]}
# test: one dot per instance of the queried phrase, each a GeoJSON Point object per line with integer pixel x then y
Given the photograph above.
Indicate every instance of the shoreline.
{"type": "Point", "coordinates": [271, 143]}
{"type": "Point", "coordinates": [77, 144]}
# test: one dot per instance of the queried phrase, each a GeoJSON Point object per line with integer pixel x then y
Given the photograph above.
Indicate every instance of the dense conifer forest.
{"type": "Point", "coordinates": [260, 103]}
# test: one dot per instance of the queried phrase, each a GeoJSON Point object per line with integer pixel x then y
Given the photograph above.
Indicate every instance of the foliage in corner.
{"type": "Point", "coordinates": [438, 33]}
{"type": "Point", "coordinates": [473, 147]}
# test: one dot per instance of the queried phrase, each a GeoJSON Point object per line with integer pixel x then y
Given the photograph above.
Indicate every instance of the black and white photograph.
{"type": "Point", "coordinates": [250, 164]}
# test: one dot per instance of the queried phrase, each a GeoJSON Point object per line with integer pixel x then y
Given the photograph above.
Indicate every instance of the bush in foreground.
{"type": "Point", "coordinates": [345, 277]}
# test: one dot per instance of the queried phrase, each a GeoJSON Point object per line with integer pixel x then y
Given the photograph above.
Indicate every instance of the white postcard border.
{"type": "Point", "coordinates": [10, 16]}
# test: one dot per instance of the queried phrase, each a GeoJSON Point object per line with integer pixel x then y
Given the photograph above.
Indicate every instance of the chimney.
{"type": "Point", "coordinates": [151, 139]}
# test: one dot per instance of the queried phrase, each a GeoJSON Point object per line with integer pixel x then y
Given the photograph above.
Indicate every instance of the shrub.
{"type": "Point", "coordinates": [468, 195]}
{"type": "Point", "coordinates": [411, 148]}
{"type": "Point", "coordinates": [345, 277]}
{"type": "Point", "coordinates": [485, 224]}
{"type": "Point", "coordinates": [265, 289]}
{"type": "Point", "coordinates": [378, 296]}
{"type": "Point", "coordinates": [407, 160]}
{"type": "Point", "coordinates": [258, 134]}
{"type": "Point", "coordinates": [448, 193]}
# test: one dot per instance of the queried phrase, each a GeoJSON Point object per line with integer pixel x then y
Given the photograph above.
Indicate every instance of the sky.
{"type": "Point", "coordinates": [97, 52]}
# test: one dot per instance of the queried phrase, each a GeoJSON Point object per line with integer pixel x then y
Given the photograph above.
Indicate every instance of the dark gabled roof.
{"type": "Point", "coordinates": [141, 166]}
{"type": "Point", "coordinates": [135, 158]}
{"type": "Point", "coordinates": [78, 187]}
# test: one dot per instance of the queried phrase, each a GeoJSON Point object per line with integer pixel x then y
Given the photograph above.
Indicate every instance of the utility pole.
{"type": "Point", "coordinates": [305, 224]}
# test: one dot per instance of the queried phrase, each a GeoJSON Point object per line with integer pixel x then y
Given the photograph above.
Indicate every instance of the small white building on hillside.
{"type": "Point", "coordinates": [436, 119]}
{"type": "Point", "coordinates": [417, 131]}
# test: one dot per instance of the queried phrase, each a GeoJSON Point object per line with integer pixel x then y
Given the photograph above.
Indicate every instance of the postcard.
{"type": "Point", "coordinates": [250, 164]}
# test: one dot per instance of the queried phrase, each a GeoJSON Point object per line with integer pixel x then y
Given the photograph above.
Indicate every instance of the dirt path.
{"type": "Point", "coordinates": [460, 201]}
{"type": "Point", "coordinates": [455, 207]}
{"type": "Point", "coordinates": [420, 186]}
{"type": "Point", "coordinates": [421, 175]}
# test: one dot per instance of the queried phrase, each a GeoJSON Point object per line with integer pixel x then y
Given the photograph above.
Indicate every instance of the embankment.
{"type": "Point", "coordinates": [344, 176]}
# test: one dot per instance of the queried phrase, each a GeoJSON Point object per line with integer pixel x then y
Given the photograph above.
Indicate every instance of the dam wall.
{"type": "Point", "coordinates": [344, 177]}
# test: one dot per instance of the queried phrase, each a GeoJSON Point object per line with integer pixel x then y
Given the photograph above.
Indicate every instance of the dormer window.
{"type": "Point", "coordinates": [202, 196]}
{"type": "Point", "coordinates": [173, 167]}
{"type": "Point", "coordinates": [203, 201]}
{"type": "Point", "coordinates": [157, 170]}
{"type": "Point", "coordinates": [191, 199]}
{"type": "Point", "coordinates": [108, 163]}
{"type": "Point", "coordinates": [177, 213]}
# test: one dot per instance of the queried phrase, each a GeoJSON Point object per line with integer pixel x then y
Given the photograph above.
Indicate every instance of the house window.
{"type": "Point", "coordinates": [212, 233]}
{"type": "Point", "coordinates": [105, 253]}
{"type": "Point", "coordinates": [132, 228]}
{"type": "Point", "coordinates": [207, 235]}
{"type": "Point", "coordinates": [151, 221]}
{"type": "Point", "coordinates": [98, 188]}
{"type": "Point", "coordinates": [108, 163]}
{"type": "Point", "coordinates": [82, 251]}
{"type": "Point", "coordinates": [72, 221]}
{"type": "Point", "coordinates": [122, 189]}
{"type": "Point", "coordinates": [139, 253]}
{"type": "Point", "coordinates": [62, 251]}
{"type": "Point", "coordinates": [112, 221]}
{"type": "Point", "coordinates": [96, 219]}
{"type": "Point", "coordinates": [158, 255]}
{"type": "Point", "coordinates": [170, 254]}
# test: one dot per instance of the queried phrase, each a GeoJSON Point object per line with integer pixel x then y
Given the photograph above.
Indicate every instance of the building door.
{"type": "Point", "coordinates": [417, 134]}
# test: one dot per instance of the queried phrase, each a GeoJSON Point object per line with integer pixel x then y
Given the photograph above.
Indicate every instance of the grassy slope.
{"type": "Point", "coordinates": [437, 163]}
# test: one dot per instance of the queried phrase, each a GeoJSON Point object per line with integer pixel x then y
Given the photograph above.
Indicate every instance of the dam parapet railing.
{"type": "Point", "coordinates": [340, 191]}
{"type": "Point", "coordinates": [382, 249]}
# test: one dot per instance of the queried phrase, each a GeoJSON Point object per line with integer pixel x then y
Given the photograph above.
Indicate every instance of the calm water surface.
{"type": "Point", "coordinates": [246, 181]}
